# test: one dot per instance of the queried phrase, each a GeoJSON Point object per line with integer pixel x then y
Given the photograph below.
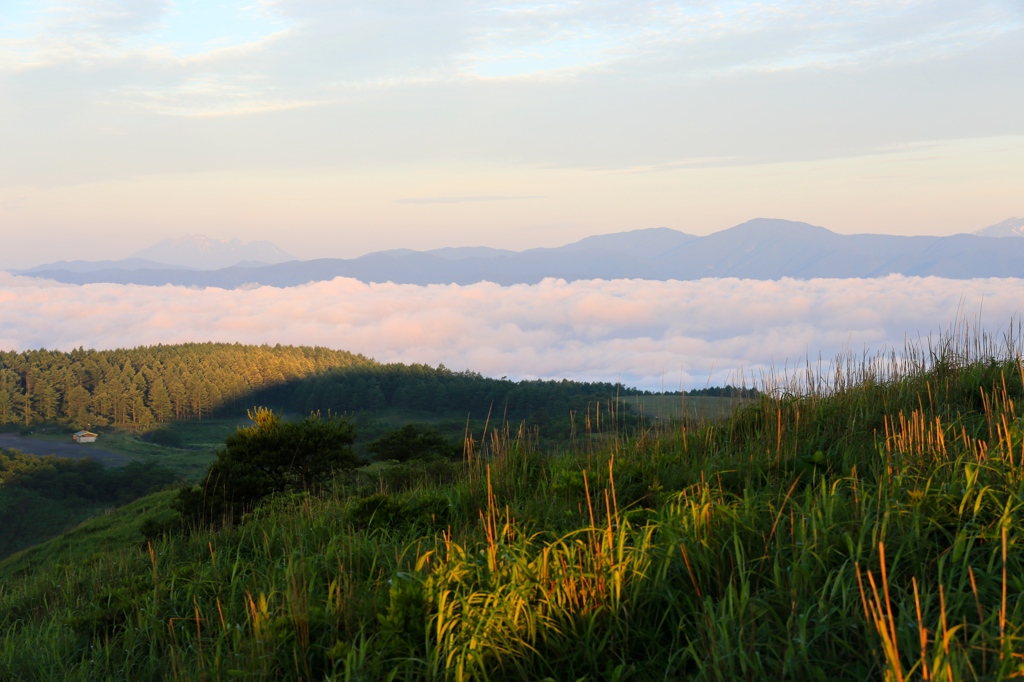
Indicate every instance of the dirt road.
{"type": "Point", "coordinates": [37, 446]}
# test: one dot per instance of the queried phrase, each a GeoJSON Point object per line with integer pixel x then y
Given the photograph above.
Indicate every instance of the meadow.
{"type": "Point", "coordinates": [855, 522]}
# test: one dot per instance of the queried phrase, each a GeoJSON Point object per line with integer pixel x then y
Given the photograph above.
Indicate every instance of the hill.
{"type": "Point", "coordinates": [138, 388]}
{"type": "Point", "coordinates": [866, 532]}
{"type": "Point", "coordinates": [758, 249]}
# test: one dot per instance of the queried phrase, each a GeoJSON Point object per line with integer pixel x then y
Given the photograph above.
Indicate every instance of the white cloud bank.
{"type": "Point", "coordinates": [646, 333]}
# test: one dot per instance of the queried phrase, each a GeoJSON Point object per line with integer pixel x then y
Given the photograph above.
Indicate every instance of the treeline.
{"type": "Point", "coordinates": [84, 479]}
{"type": "Point", "coordinates": [442, 391]}
{"type": "Point", "coordinates": [727, 391]}
{"type": "Point", "coordinates": [138, 387]}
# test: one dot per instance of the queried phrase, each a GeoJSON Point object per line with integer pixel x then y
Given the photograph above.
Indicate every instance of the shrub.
{"type": "Point", "coordinates": [413, 442]}
{"type": "Point", "coordinates": [268, 457]}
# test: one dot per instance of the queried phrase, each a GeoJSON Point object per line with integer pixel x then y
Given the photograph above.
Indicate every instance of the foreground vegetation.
{"type": "Point", "coordinates": [862, 524]}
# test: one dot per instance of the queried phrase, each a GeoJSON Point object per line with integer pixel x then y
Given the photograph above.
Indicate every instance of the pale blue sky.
{"type": "Point", "coordinates": [335, 128]}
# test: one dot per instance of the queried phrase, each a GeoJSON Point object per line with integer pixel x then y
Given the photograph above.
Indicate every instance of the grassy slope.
{"type": "Point", "coordinates": [868, 533]}
{"type": "Point", "coordinates": [199, 441]}
{"type": "Point", "coordinates": [32, 518]}
{"type": "Point", "coordinates": [111, 532]}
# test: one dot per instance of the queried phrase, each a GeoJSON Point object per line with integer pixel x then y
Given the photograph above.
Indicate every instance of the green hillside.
{"type": "Point", "coordinates": [868, 530]}
{"type": "Point", "coordinates": [114, 532]}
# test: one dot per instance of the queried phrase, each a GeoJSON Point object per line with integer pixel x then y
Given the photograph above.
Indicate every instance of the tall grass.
{"type": "Point", "coordinates": [859, 522]}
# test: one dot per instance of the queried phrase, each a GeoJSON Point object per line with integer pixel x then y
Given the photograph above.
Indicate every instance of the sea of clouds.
{"type": "Point", "coordinates": [648, 334]}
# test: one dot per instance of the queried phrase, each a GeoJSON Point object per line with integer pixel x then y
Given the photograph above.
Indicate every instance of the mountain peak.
{"type": "Point", "coordinates": [204, 253]}
{"type": "Point", "coordinates": [646, 242]}
{"type": "Point", "coordinates": [1011, 227]}
{"type": "Point", "coordinates": [778, 226]}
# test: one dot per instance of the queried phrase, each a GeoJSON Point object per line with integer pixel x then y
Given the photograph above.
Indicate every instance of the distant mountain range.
{"type": "Point", "coordinates": [203, 253]}
{"type": "Point", "coordinates": [192, 252]}
{"type": "Point", "coordinates": [758, 249]}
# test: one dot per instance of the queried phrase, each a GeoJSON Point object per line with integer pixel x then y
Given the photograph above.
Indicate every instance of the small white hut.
{"type": "Point", "coordinates": [84, 437]}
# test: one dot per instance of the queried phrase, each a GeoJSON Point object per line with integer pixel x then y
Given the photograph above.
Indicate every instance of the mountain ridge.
{"type": "Point", "coordinates": [763, 248]}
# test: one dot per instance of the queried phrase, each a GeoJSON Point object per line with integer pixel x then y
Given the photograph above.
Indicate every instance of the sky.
{"type": "Point", "coordinates": [337, 128]}
{"type": "Point", "coordinates": [648, 334]}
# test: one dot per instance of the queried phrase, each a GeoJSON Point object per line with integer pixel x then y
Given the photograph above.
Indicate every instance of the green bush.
{"type": "Point", "coordinates": [268, 457]}
{"type": "Point", "coordinates": [413, 442]}
{"type": "Point", "coordinates": [418, 473]}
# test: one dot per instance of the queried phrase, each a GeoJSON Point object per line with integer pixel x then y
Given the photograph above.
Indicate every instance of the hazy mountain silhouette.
{"type": "Point", "coordinates": [102, 265]}
{"type": "Point", "coordinates": [758, 249]}
{"type": "Point", "coordinates": [203, 253]}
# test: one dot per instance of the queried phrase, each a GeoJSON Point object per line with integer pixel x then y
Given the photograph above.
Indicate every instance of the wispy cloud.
{"type": "Point", "coordinates": [705, 38]}
{"type": "Point", "coordinates": [106, 17]}
{"type": "Point", "coordinates": [650, 334]}
{"type": "Point", "coordinates": [636, 83]}
{"type": "Point", "coordinates": [395, 41]}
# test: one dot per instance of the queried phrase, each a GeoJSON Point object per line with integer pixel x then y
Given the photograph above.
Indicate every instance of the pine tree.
{"type": "Point", "coordinates": [159, 401]}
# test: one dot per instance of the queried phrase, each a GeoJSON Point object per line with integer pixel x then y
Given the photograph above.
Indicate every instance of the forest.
{"type": "Point", "coordinates": [136, 388]}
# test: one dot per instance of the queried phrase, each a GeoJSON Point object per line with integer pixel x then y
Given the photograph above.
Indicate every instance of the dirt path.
{"type": "Point", "coordinates": [37, 446]}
